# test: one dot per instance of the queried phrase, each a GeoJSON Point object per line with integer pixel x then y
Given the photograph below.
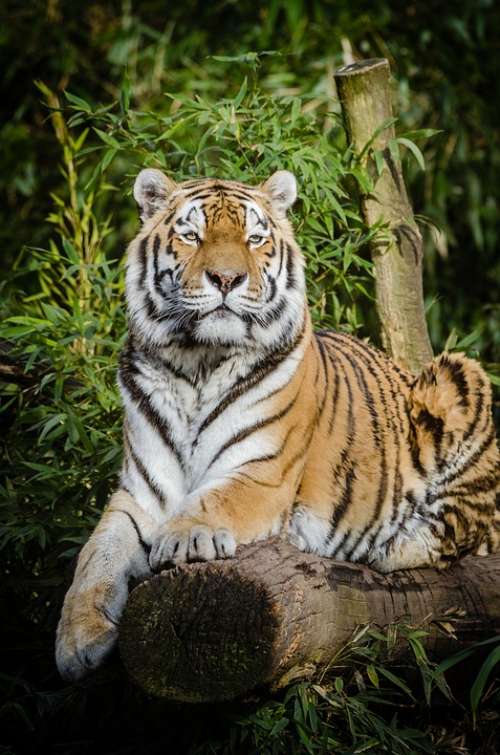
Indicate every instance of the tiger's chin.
{"type": "Point", "coordinates": [221, 327]}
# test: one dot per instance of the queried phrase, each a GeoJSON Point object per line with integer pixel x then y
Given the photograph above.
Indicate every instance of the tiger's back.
{"type": "Point", "coordinates": [402, 471]}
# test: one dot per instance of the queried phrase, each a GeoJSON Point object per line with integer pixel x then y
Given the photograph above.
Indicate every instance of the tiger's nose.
{"type": "Point", "coordinates": [225, 280]}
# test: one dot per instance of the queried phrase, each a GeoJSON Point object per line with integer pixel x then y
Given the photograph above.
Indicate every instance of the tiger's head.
{"type": "Point", "coordinates": [215, 263]}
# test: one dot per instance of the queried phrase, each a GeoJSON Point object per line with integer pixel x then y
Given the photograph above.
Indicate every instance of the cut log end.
{"type": "Point", "coordinates": [196, 634]}
{"type": "Point", "coordinates": [362, 66]}
{"type": "Point", "coordinates": [215, 631]}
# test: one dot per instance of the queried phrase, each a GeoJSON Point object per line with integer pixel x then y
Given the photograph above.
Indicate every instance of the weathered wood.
{"type": "Point", "coordinates": [206, 632]}
{"type": "Point", "coordinates": [365, 95]}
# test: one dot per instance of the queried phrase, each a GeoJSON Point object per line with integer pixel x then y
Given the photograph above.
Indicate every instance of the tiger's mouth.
{"type": "Point", "coordinates": [222, 310]}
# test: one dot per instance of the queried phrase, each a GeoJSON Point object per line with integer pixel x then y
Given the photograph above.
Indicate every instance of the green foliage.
{"type": "Point", "coordinates": [66, 335]}
{"type": "Point", "coordinates": [369, 699]}
{"type": "Point", "coordinates": [363, 702]}
{"type": "Point", "coordinates": [491, 664]}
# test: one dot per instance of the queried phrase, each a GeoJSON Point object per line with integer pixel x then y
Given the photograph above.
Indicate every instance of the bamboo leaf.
{"type": "Point", "coordinates": [482, 678]}
{"type": "Point", "coordinates": [80, 103]}
{"type": "Point", "coordinates": [414, 150]}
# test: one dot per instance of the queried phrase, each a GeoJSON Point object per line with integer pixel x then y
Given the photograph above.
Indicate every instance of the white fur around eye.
{"type": "Point", "coordinates": [190, 237]}
{"type": "Point", "coordinates": [256, 239]}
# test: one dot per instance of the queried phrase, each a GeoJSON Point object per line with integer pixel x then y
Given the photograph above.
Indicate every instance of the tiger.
{"type": "Point", "coordinates": [242, 423]}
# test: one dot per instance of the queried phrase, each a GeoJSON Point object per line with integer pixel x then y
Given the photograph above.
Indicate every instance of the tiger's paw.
{"type": "Point", "coordinates": [88, 628]}
{"type": "Point", "coordinates": [181, 540]}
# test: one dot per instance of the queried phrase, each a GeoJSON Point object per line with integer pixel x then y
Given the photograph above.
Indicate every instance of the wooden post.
{"type": "Point", "coordinates": [214, 631]}
{"type": "Point", "coordinates": [365, 96]}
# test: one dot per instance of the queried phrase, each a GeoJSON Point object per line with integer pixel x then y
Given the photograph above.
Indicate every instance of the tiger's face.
{"type": "Point", "coordinates": [215, 262]}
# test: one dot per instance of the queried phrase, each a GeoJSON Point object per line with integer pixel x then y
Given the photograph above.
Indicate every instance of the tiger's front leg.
{"type": "Point", "coordinates": [117, 550]}
{"type": "Point", "coordinates": [217, 520]}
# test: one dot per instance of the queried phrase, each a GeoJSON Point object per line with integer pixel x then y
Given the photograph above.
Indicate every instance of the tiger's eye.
{"type": "Point", "coordinates": [190, 236]}
{"type": "Point", "coordinates": [255, 239]}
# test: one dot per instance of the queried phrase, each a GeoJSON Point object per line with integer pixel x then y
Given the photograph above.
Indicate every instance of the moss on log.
{"type": "Point", "coordinates": [215, 631]}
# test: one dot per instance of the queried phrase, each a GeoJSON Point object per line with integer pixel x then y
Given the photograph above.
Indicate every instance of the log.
{"type": "Point", "coordinates": [216, 631]}
{"type": "Point", "coordinates": [365, 97]}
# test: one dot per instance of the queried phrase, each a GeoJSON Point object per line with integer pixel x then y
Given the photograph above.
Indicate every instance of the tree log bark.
{"type": "Point", "coordinates": [365, 97]}
{"type": "Point", "coordinates": [214, 631]}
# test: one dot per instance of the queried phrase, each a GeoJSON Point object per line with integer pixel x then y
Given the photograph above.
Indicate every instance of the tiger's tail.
{"type": "Point", "coordinates": [452, 422]}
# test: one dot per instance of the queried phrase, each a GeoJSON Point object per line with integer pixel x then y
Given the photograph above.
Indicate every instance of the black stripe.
{"type": "Point", "coordinates": [178, 374]}
{"type": "Point", "coordinates": [152, 485]}
{"type": "Point", "coordinates": [282, 248]}
{"type": "Point", "coordinates": [370, 352]}
{"type": "Point", "coordinates": [238, 194]}
{"type": "Point", "coordinates": [246, 383]}
{"type": "Point", "coordinates": [336, 387]}
{"type": "Point", "coordinates": [169, 217]}
{"type": "Point", "coordinates": [457, 376]}
{"type": "Point", "coordinates": [290, 464]}
{"type": "Point", "coordinates": [262, 483]}
{"type": "Point", "coordinates": [246, 432]}
{"type": "Point", "coordinates": [143, 260]}
{"type": "Point", "coordinates": [290, 270]}
{"type": "Point", "coordinates": [484, 509]}
{"type": "Point", "coordinates": [324, 362]}
{"type": "Point", "coordinates": [415, 453]}
{"type": "Point", "coordinates": [477, 410]}
{"type": "Point", "coordinates": [367, 396]}
{"type": "Point", "coordinates": [479, 485]}
{"type": "Point", "coordinates": [145, 546]}
{"type": "Point", "coordinates": [473, 458]}
{"type": "Point", "coordinates": [376, 360]}
{"type": "Point", "coordinates": [199, 193]}
{"type": "Point", "coordinates": [279, 389]}
{"type": "Point", "coordinates": [383, 482]}
{"type": "Point", "coordinates": [272, 253]}
{"type": "Point", "coordinates": [434, 426]}
{"type": "Point", "coordinates": [340, 546]}
{"type": "Point", "coordinates": [373, 356]}
{"type": "Point", "coordinates": [268, 318]}
{"type": "Point", "coordinates": [194, 182]}
{"type": "Point", "coordinates": [160, 362]}
{"type": "Point", "coordinates": [344, 455]}
{"type": "Point", "coordinates": [272, 284]}
{"type": "Point", "coordinates": [301, 452]}
{"type": "Point", "coordinates": [379, 360]}
{"type": "Point", "coordinates": [157, 277]}
{"type": "Point", "coordinates": [269, 457]}
{"type": "Point", "coordinates": [152, 310]}
{"type": "Point", "coordinates": [335, 398]}
{"type": "Point", "coordinates": [346, 498]}
{"type": "Point", "coordinates": [127, 371]}
{"type": "Point", "coordinates": [465, 523]}
{"type": "Point", "coordinates": [371, 359]}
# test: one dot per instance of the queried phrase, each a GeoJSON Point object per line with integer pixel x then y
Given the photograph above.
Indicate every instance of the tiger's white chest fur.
{"type": "Point", "coordinates": [199, 421]}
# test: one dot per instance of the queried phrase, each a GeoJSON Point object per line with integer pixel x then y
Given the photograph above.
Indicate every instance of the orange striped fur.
{"type": "Point", "coordinates": [241, 422]}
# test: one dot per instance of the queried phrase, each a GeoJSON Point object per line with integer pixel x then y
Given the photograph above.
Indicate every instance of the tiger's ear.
{"type": "Point", "coordinates": [152, 189]}
{"type": "Point", "coordinates": [282, 188]}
